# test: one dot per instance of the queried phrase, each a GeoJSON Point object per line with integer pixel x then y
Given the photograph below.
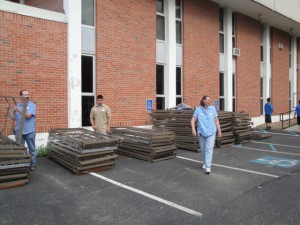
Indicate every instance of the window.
{"type": "Point", "coordinates": [222, 98]}
{"type": "Point", "coordinates": [262, 43]}
{"type": "Point", "coordinates": [160, 79]}
{"type": "Point", "coordinates": [178, 22]}
{"type": "Point", "coordinates": [233, 93]}
{"type": "Point", "coordinates": [233, 31]}
{"type": "Point", "coordinates": [160, 27]}
{"type": "Point", "coordinates": [87, 87]}
{"type": "Point", "coordinates": [178, 85]}
{"type": "Point", "coordinates": [160, 20]}
{"type": "Point", "coordinates": [262, 79]}
{"type": "Point", "coordinates": [87, 102]}
{"type": "Point", "coordinates": [87, 11]}
{"type": "Point", "coordinates": [160, 97]}
{"type": "Point", "coordinates": [160, 6]}
{"type": "Point", "coordinates": [221, 31]}
{"type": "Point", "coordinates": [87, 74]}
{"type": "Point", "coordinates": [178, 32]}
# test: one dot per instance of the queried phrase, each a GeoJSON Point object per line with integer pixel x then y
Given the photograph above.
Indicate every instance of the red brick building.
{"type": "Point", "coordinates": [67, 52]}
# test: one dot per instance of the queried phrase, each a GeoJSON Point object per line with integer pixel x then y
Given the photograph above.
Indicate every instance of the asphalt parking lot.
{"type": "Point", "coordinates": [251, 183]}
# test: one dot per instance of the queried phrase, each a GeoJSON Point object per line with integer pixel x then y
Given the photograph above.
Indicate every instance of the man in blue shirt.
{"type": "Point", "coordinates": [207, 126]}
{"type": "Point", "coordinates": [297, 113]}
{"type": "Point", "coordinates": [29, 131]}
{"type": "Point", "coordinates": [268, 113]}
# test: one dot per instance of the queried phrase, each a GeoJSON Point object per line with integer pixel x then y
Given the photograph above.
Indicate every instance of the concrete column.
{"type": "Point", "coordinates": [228, 59]}
{"type": "Point", "coordinates": [267, 61]}
{"type": "Point", "coordinates": [294, 72]}
{"type": "Point", "coordinates": [170, 73]}
{"type": "Point", "coordinates": [73, 15]}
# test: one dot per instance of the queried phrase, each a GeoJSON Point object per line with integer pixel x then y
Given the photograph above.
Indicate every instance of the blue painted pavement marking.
{"type": "Point", "coordinates": [272, 148]}
{"type": "Point", "coordinates": [276, 161]}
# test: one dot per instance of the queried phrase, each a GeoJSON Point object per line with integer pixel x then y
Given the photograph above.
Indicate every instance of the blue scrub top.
{"type": "Point", "coordinates": [29, 124]}
{"type": "Point", "coordinates": [206, 120]}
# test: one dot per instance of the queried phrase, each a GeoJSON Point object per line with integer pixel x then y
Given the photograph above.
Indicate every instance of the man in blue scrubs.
{"type": "Point", "coordinates": [29, 131]}
{"type": "Point", "coordinates": [207, 125]}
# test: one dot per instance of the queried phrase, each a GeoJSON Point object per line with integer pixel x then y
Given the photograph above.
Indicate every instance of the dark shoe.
{"type": "Point", "coordinates": [32, 168]}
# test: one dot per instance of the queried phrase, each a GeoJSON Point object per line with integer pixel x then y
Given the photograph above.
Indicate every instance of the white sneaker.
{"type": "Point", "coordinates": [207, 171]}
{"type": "Point", "coordinates": [203, 167]}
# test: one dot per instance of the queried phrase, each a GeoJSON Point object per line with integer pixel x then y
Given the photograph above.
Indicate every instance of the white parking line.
{"type": "Point", "coordinates": [295, 135]}
{"type": "Point", "coordinates": [182, 208]}
{"type": "Point", "coordinates": [291, 146]}
{"type": "Point", "coordinates": [232, 168]}
{"type": "Point", "coordinates": [264, 150]}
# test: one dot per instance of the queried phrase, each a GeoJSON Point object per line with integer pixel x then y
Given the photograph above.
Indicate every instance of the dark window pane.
{"type": "Point", "coordinates": [160, 6]}
{"type": "Point", "coordinates": [221, 23]}
{"type": "Point", "coordinates": [178, 9]}
{"type": "Point", "coordinates": [261, 86]}
{"type": "Point", "coordinates": [233, 85]}
{"type": "Point", "coordinates": [222, 104]}
{"type": "Point", "coordinates": [160, 103]}
{"type": "Point", "coordinates": [159, 79]}
{"type": "Point", "coordinates": [221, 43]}
{"type": "Point", "coordinates": [233, 42]}
{"type": "Point", "coordinates": [178, 32]}
{"type": "Point", "coordinates": [178, 101]}
{"type": "Point", "coordinates": [160, 27]}
{"type": "Point", "coordinates": [261, 53]}
{"type": "Point", "coordinates": [233, 105]}
{"type": "Point", "coordinates": [178, 81]}
{"type": "Point", "coordinates": [261, 106]}
{"type": "Point", "coordinates": [87, 74]}
{"type": "Point", "coordinates": [87, 104]}
{"type": "Point", "coordinates": [87, 11]}
{"type": "Point", "coordinates": [233, 24]}
{"type": "Point", "coordinates": [221, 84]}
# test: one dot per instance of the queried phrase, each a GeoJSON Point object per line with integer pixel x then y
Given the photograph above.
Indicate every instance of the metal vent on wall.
{"type": "Point", "coordinates": [236, 51]}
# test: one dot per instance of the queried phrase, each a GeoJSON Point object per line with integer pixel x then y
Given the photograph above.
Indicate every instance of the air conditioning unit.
{"type": "Point", "coordinates": [236, 51]}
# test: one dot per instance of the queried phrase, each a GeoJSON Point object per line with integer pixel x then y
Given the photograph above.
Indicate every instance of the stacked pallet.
{"type": "Point", "coordinates": [228, 137]}
{"type": "Point", "coordinates": [146, 144]}
{"type": "Point", "coordinates": [14, 164]}
{"type": "Point", "coordinates": [179, 122]}
{"type": "Point", "coordinates": [242, 128]}
{"type": "Point", "coordinates": [81, 150]}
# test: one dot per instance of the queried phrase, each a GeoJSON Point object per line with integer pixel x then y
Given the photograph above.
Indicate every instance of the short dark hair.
{"type": "Point", "coordinates": [99, 97]}
{"type": "Point", "coordinates": [268, 99]}
{"type": "Point", "coordinates": [21, 92]}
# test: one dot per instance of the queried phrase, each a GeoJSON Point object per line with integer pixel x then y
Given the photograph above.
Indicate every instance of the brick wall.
{"type": "Point", "coordinates": [200, 51]}
{"type": "Point", "coordinates": [52, 5]}
{"type": "Point", "coordinates": [33, 56]}
{"type": "Point", "coordinates": [126, 58]}
{"type": "Point", "coordinates": [248, 65]}
{"type": "Point", "coordinates": [280, 70]}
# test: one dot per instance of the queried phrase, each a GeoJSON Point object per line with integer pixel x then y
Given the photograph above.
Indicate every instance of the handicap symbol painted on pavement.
{"type": "Point", "coordinates": [276, 161]}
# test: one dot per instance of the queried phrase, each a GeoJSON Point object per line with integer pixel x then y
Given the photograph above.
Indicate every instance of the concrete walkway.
{"type": "Point", "coordinates": [292, 128]}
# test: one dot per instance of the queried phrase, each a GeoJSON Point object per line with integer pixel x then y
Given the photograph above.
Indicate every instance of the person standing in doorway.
{"type": "Point", "coordinates": [268, 113]}
{"type": "Point", "coordinates": [29, 129]}
{"type": "Point", "coordinates": [297, 114]}
{"type": "Point", "coordinates": [207, 126]}
{"type": "Point", "coordinates": [100, 116]}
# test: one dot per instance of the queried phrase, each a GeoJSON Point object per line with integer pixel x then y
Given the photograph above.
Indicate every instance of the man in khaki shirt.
{"type": "Point", "coordinates": [100, 116]}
